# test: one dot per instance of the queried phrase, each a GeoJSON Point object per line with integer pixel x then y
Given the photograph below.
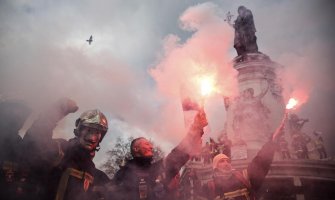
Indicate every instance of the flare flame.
{"type": "Point", "coordinates": [291, 103]}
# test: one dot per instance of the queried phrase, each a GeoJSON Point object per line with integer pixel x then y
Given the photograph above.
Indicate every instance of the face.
{"type": "Point", "coordinates": [143, 148]}
{"type": "Point", "coordinates": [89, 138]}
{"type": "Point", "coordinates": [224, 165]}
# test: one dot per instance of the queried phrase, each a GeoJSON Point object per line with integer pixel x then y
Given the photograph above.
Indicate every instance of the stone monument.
{"type": "Point", "coordinates": [256, 112]}
{"type": "Point", "coordinates": [252, 117]}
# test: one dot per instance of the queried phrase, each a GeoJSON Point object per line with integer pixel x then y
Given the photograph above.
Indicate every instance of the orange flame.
{"type": "Point", "coordinates": [291, 103]}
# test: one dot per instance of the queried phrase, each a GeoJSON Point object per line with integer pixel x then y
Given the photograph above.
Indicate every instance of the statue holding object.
{"type": "Point", "coordinates": [245, 38]}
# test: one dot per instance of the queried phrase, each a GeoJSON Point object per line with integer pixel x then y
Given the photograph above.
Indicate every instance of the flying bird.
{"type": "Point", "coordinates": [90, 40]}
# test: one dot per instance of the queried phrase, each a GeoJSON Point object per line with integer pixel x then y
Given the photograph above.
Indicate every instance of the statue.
{"type": "Point", "coordinates": [296, 124]}
{"type": "Point", "coordinates": [245, 38]}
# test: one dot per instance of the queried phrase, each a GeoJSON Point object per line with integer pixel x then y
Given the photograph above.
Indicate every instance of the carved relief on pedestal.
{"type": "Point", "coordinates": [250, 115]}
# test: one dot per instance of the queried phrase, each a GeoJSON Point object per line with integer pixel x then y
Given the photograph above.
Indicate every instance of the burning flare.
{"type": "Point", "coordinates": [291, 103]}
{"type": "Point", "coordinates": [206, 85]}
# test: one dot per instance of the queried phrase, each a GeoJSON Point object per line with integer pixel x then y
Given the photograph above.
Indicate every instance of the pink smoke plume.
{"type": "Point", "coordinates": [205, 53]}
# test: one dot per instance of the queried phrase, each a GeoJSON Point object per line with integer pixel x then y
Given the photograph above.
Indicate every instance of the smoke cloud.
{"type": "Point", "coordinates": [44, 56]}
{"type": "Point", "coordinates": [205, 52]}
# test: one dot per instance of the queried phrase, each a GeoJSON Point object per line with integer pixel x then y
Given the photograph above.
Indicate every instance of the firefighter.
{"type": "Point", "coordinates": [13, 114]}
{"type": "Point", "coordinates": [142, 179]}
{"type": "Point", "coordinates": [228, 183]}
{"type": "Point", "coordinates": [63, 169]}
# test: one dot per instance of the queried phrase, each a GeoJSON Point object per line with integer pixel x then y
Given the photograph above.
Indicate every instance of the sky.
{"type": "Point", "coordinates": [143, 50]}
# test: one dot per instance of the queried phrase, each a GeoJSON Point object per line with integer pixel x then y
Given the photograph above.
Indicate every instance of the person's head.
{"type": "Point", "coordinates": [241, 10]}
{"type": "Point", "coordinates": [13, 114]}
{"type": "Point", "coordinates": [222, 163]}
{"type": "Point", "coordinates": [141, 147]}
{"type": "Point", "coordinates": [91, 127]}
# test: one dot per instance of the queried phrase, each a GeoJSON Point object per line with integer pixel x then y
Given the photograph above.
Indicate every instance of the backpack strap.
{"type": "Point", "coordinates": [243, 177]}
{"type": "Point", "coordinates": [85, 176]}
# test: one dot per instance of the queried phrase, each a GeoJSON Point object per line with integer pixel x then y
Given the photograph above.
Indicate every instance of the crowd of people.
{"type": "Point", "coordinates": [37, 166]}
{"type": "Point", "coordinates": [40, 167]}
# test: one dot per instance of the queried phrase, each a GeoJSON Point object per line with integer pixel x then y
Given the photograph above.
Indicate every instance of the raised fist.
{"type": "Point", "coordinates": [67, 105]}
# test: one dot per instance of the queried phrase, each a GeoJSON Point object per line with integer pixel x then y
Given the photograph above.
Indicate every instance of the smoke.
{"type": "Point", "coordinates": [44, 56]}
{"type": "Point", "coordinates": [308, 77]}
{"type": "Point", "coordinates": [204, 53]}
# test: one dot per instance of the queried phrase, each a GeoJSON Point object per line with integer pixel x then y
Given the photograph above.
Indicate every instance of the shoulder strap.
{"type": "Point", "coordinates": [62, 186]}
{"type": "Point", "coordinates": [243, 177]}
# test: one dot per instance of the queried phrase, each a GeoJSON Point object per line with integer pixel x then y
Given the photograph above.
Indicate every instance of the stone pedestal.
{"type": "Point", "coordinates": [286, 180]}
{"type": "Point", "coordinates": [253, 116]}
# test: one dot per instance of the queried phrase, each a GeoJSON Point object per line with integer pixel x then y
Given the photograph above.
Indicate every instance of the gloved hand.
{"type": "Point", "coordinates": [67, 105]}
{"type": "Point", "coordinates": [200, 120]}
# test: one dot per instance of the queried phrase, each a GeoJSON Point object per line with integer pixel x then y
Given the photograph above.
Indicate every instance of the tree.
{"type": "Point", "coordinates": [120, 154]}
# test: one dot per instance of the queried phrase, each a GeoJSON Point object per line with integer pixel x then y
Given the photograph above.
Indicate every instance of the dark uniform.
{"type": "Point", "coordinates": [139, 179]}
{"type": "Point", "coordinates": [12, 176]}
{"type": "Point", "coordinates": [63, 169]}
{"type": "Point", "coordinates": [243, 184]}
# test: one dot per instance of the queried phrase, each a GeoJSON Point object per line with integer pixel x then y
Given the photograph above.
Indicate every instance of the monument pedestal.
{"type": "Point", "coordinates": [253, 116]}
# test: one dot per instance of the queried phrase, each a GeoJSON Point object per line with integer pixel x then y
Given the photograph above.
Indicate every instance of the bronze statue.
{"type": "Point", "coordinates": [245, 38]}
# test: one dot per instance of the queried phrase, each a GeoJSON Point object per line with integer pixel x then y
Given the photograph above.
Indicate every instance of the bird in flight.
{"type": "Point", "coordinates": [90, 40]}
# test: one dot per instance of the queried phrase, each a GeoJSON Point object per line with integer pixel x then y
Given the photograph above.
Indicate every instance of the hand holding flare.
{"type": "Point", "coordinates": [200, 120]}
{"type": "Point", "coordinates": [290, 105]}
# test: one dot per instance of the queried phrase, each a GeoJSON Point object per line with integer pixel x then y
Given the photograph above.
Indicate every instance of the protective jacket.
{"type": "Point", "coordinates": [13, 183]}
{"type": "Point", "coordinates": [243, 184]}
{"type": "Point", "coordinates": [59, 169]}
{"type": "Point", "coordinates": [141, 179]}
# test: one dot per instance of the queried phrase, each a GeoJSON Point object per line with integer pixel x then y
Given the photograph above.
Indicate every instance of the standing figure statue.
{"type": "Point", "coordinates": [284, 149]}
{"type": "Point", "coordinates": [245, 38]}
{"type": "Point", "coordinates": [319, 144]}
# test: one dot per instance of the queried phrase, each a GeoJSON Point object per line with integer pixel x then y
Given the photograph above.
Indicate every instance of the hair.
{"type": "Point", "coordinates": [132, 144]}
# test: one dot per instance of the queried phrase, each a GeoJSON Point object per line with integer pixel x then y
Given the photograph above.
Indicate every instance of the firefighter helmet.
{"type": "Point", "coordinates": [93, 119]}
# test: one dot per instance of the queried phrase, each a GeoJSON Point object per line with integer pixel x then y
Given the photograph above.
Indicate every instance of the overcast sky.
{"type": "Point", "coordinates": [130, 69]}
